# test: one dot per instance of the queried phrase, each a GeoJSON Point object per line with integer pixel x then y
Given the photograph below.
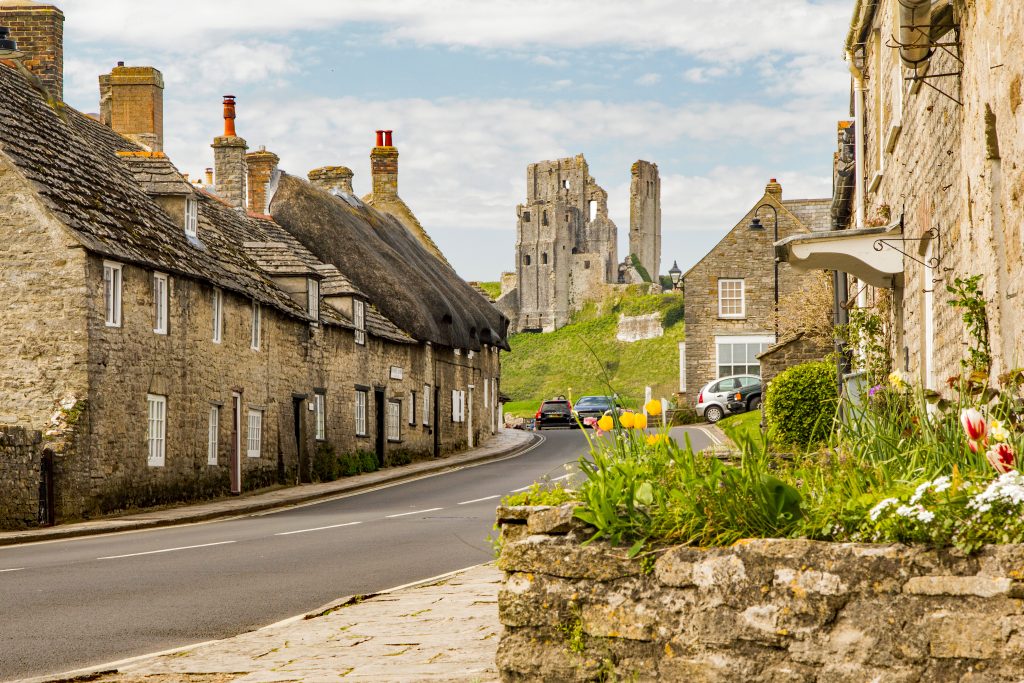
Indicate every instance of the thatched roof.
{"type": "Point", "coordinates": [382, 258]}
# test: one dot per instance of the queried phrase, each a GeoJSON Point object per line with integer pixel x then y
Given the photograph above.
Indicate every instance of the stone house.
{"type": "Point", "coordinates": [730, 293]}
{"type": "Point", "coordinates": [938, 179]}
{"type": "Point", "coordinates": [173, 342]}
{"type": "Point", "coordinates": [567, 245]}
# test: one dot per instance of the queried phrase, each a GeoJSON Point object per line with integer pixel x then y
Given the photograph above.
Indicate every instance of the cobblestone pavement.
{"type": "Point", "coordinates": [444, 630]}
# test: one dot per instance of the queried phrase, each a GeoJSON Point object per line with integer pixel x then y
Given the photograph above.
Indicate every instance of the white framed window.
{"type": "Point", "coordinates": [257, 324]}
{"type": "Point", "coordinates": [394, 421]}
{"type": "Point", "coordinates": [160, 303]}
{"type": "Point", "coordinates": [191, 218]}
{"type": "Point", "coordinates": [112, 293]}
{"type": "Point", "coordinates": [211, 437]}
{"type": "Point", "coordinates": [156, 432]}
{"type": "Point", "coordinates": [731, 300]}
{"type": "Point", "coordinates": [359, 320]}
{"type": "Point", "coordinates": [321, 416]}
{"type": "Point", "coordinates": [737, 355]}
{"type": "Point", "coordinates": [313, 298]}
{"type": "Point", "coordinates": [426, 405]}
{"type": "Point", "coordinates": [411, 411]}
{"type": "Point", "coordinates": [361, 396]}
{"type": "Point", "coordinates": [458, 406]}
{"type": "Point", "coordinates": [254, 442]}
{"type": "Point", "coordinates": [487, 391]}
{"type": "Point", "coordinates": [217, 304]}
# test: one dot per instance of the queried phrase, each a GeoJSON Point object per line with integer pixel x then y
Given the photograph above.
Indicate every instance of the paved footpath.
{"type": "Point", "coordinates": [444, 630]}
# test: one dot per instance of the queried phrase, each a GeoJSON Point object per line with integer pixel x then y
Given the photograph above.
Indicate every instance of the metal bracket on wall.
{"type": "Point", "coordinates": [935, 262]}
{"type": "Point", "coordinates": [950, 48]}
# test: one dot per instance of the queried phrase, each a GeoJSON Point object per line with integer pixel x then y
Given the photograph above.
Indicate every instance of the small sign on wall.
{"type": "Point", "coordinates": [397, 372]}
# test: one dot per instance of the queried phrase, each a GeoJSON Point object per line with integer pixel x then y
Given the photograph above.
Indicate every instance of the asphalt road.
{"type": "Point", "coordinates": [81, 602]}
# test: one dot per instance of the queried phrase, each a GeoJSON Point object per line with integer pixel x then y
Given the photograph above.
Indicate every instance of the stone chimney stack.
{"type": "Point", "coordinates": [384, 166]}
{"type": "Point", "coordinates": [262, 165]}
{"type": "Point", "coordinates": [39, 30]}
{"type": "Point", "coordinates": [774, 189]}
{"type": "Point", "coordinates": [132, 103]}
{"type": "Point", "coordinates": [330, 178]}
{"type": "Point", "coordinates": [229, 159]}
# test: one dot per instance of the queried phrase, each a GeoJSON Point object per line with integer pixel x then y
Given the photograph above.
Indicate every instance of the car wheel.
{"type": "Point", "coordinates": [755, 403]}
{"type": "Point", "coordinates": [713, 414]}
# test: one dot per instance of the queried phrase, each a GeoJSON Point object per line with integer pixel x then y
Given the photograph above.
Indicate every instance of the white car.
{"type": "Point", "coordinates": [714, 397]}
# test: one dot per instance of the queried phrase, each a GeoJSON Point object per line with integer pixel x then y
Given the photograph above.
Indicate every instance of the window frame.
{"type": "Point", "coordinates": [362, 401]}
{"type": "Point", "coordinates": [191, 218]}
{"type": "Point", "coordinates": [359, 320]}
{"type": "Point", "coordinates": [764, 340]}
{"type": "Point", "coordinates": [156, 430]}
{"type": "Point", "coordinates": [112, 293]}
{"type": "Point", "coordinates": [254, 433]}
{"type": "Point", "coordinates": [393, 421]}
{"type": "Point", "coordinates": [313, 298]}
{"type": "Point", "coordinates": [320, 415]}
{"type": "Point", "coordinates": [161, 302]}
{"type": "Point", "coordinates": [412, 409]}
{"type": "Point", "coordinates": [217, 305]}
{"type": "Point", "coordinates": [426, 405]}
{"type": "Point", "coordinates": [742, 298]}
{"type": "Point", "coordinates": [256, 325]}
{"type": "Point", "coordinates": [213, 436]}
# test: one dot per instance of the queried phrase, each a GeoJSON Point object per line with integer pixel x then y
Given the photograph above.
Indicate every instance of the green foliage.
{"type": "Point", "coordinates": [641, 271]}
{"type": "Point", "coordinates": [562, 362]}
{"type": "Point", "coordinates": [744, 429]}
{"type": "Point", "coordinates": [328, 465]}
{"type": "Point", "coordinates": [869, 332]}
{"type": "Point", "coordinates": [493, 289]}
{"type": "Point", "coordinates": [800, 404]}
{"type": "Point", "coordinates": [971, 300]}
{"type": "Point", "coordinates": [540, 494]}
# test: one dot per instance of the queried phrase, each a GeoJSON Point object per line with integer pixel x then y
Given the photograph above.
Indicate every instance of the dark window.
{"type": "Point", "coordinates": [526, 216]}
{"type": "Point", "coordinates": [574, 250]}
{"type": "Point", "coordinates": [586, 265]}
{"type": "Point", "coordinates": [566, 218]}
{"type": "Point", "coordinates": [544, 218]}
{"type": "Point", "coordinates": [544, 258]}
{"type": "Point", "coordinates": [526, 259]}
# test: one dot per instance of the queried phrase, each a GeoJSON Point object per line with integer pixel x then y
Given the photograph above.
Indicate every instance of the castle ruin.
{"type": "Point", "coordinates": [567, 246]}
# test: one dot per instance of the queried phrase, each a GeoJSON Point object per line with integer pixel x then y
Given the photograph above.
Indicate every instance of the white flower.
{"type": "Point", "coordinates": [997, 431]}
{"type": "Point", "coordinates": [906, 511]}
{"type": "Point", "coordinates": [941, 484]}
{"type": "Point", "coordinates": [880, 508]}
{"type": "Point", "coordinates": [919, 491]}
{"type": "Point", "coordinates": [925, 516]}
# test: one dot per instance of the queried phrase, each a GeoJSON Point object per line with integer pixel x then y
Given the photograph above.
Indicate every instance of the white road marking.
{"type": "Point", "coordinates": [478, 500]}
{"type": "Point", "coordinates": [319, 528]}
{"type": "Point", "coordinates": [525, 488]}
{"type": "Point", "coordinates": [165, 550]}
{"type": "Point", "coordinates": [17, 569]}
{"type": "Point", "coordinates": [711, 435]}
{"type": "Point", "coordinates": [564, 476]}
{"type": "Point", "coordinates": [414, 512]}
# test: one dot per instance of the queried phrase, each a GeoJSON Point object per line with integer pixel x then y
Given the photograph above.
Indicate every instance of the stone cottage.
{"type": "Point", "coordinates": [173, 342]}
{"type": "Point", "coordinates": [939, 177]}
{"type": "Point", "coordinates": [567, 246]}
{"type": "Point", "coordinates": [730, 293]}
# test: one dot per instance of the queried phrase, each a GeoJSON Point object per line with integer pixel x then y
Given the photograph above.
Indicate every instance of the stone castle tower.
{"type": "Point", "coordinates": [645, 216]}
{"type": "Point", "coordinates": [567, 246]}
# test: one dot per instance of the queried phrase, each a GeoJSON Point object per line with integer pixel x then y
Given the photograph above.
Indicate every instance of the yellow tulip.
{"type": "Point", "coordinates": [606, 423]}
{"type": "Point", "coordinates": [626, 420]}
{"type": "Point", "coordinates": [653, 407]}
{"type": "Point", "coordinates": [655, 439]}
{"type": "Point", "coordinates": [640, 421]}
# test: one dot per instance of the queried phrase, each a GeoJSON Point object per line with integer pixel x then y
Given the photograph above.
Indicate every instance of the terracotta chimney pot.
{"type": "Point", "coordinates": [229, 116]}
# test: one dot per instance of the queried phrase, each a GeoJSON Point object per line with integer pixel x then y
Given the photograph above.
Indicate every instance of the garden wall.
{"type": "Point", "coordinates": [762, 610]}
{"type": "Point", "coordinates": [20, 456]}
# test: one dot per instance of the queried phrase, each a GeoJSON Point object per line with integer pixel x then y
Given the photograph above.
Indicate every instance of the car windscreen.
{"type": "Point", "coordinates": [555, 407]}
{"type": "Point", "coordinates": [593, 402]}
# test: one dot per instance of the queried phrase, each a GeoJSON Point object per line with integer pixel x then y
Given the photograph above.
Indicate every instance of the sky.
{"type": "Point", "coordinates": [721, 94]}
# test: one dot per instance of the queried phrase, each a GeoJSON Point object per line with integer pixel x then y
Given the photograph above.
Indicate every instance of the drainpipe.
{"type": "Point", "coordinates": [915, 32]}
{"type": "Point", "coordinates": [858, 134]}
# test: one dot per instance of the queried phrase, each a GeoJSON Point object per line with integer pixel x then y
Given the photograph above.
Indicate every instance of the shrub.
{"type": "Point", "coordinates": [800, 404]}
{"type": "Point", "coordinates": [325, 463]}
{"type": "Point", "coordinates": [686, 415]}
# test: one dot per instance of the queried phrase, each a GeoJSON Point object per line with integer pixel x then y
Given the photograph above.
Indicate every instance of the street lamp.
{"type": "Point", "coordinates": [755, 226]}
{"type": "Point", "coordinates": [675, 274]}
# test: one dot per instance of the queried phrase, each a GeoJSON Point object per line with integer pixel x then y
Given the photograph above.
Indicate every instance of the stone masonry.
{"type": "Point", "coordinates": [20, 458]}
{"type": "Point", "coordinates": [39, 30]}
{"type": "Point", "coordinates": [132, 102]}
{"type": "Point", "coordinates": [260, 166]}
{"type": "Point", "coordinates": [764, 610]}
{"type": "Point", "coordinates": [567, 246]}
{"type": "Point", "coordinates": [230, 170]}
{"type": "Point", "coordinates": [798, 348]}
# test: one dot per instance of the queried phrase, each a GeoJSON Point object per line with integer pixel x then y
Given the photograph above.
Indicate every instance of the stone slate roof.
{"type": "Point", "coordinates": [815, 214]}
{"type": "Point", "coordinates": [278, 258]}
{"type": "Point", "coordinates": [385, 260]}
{"type": "Point", "coordinates": [155, 173]}
{"type": "Point", "coordinates": [336, 284]}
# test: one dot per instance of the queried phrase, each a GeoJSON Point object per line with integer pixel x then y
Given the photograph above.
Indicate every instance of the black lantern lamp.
{"type": "Point", "coordinates": [675, 274]}
{"type": "Point", "coordinates": [756, 226]}
{"type": "Point", "coordinates": [8, 47]}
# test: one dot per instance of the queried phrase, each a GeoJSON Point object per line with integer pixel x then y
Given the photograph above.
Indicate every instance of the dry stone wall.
{"type": "Point", "coordinates": [768, 610]}
{"type": "Point", "coordinates": [20, 458]}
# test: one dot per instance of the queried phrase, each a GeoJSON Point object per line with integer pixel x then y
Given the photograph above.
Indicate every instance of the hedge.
{"type": "Point", "coordinates": [800, 404]}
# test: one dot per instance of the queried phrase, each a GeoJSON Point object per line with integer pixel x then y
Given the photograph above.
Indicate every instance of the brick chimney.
{"type": "Point", "coordinates": [332, 178]}
{"type": "Point", "coordinates": [132, 103]}
{"type": "Point", "coordinates": [261, 165]}
{"type": "Point", "coordinates": [39, 30]}
{"type": "Point", "coordinates": [384, 166]}
{"type": "Point", "coordinates": [774, 189]}
{"type": "Point", "coordinates": [229, 159]}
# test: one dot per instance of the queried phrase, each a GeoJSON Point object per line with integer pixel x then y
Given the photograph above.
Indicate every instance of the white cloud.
{"type": "Point", "coordinates": [649, 79]}
{"type": "Point", "coordinates": [703, 74]}
{"type": "Point", "coordinates": [545, 60]}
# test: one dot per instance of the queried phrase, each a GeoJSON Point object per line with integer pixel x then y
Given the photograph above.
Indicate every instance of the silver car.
{"type": "Point", "coordinates": [714, 397]}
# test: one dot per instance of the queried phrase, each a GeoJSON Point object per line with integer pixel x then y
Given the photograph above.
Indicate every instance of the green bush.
{"type": "Point", "coordinates": [325, 463]}
{"type": "Point", "coordinates": [800, 404]}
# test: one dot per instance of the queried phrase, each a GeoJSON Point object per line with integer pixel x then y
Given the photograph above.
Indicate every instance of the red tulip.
{"type": "Point", "coordinates": [1001, 457]}
{"type": "Point", "coordinates": [974, 424]}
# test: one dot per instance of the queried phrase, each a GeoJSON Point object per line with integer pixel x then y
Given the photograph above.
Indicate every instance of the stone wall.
{"type": "Point", "coordinates": [766, 610]}
{"type": "Point", "coordinates": [637, 327]}
{"type": "Point", "coordinates": [797, 349]}
{"type": "Point", "coordinates": [645, 216]}
{"type": "Point", "coordinates": [20, 458]}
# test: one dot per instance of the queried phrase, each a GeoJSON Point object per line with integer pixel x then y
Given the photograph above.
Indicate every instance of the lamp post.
{"type": "Point", "coordinates": [675, 274]}
{"type": "Point", "coordinates": [755, 226]}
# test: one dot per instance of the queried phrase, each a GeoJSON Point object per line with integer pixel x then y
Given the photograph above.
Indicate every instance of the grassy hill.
{"type": "Point", "coordinates": [584, 357]}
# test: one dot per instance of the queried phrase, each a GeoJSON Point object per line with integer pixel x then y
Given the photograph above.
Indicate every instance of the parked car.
{"type": "Point", "coordinates": [554, 413]}
{"type": "Point", "coordinates": [713, 399]}
{"type": "Point", "coordinates": [747, 397]}
{"type": "Point", "coordinates": [592, 406]}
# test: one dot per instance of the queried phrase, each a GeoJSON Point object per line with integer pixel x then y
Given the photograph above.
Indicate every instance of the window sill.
{"type": "Point", "coordinates": [252, 455]}
{"type": "Point", "coordinates": [112, 324]}
{"type": "Point", "coordinates": [732, 317]}
{"type": "Point", "coordinates": [362, 436]}
{"type": "Point", "coordinates": [875, 180]}
{"type": "Point", "coordinates": [892, 137]}
{"type": "Point", "coordinates": [394, 441]}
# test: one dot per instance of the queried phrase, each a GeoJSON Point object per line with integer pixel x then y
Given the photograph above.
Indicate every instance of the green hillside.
{"type": "Point", "coordinates": [577, 358]}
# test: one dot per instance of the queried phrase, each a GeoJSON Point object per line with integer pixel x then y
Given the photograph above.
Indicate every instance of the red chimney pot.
{"type": "Point", "coordinates": [773, 180]}
{"type": "Point", "coordinates": [380, 138]}
{"type": "Point", "coordinates": [387, 138]}
{"type": "Point", "coordinates": [229, 116]}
